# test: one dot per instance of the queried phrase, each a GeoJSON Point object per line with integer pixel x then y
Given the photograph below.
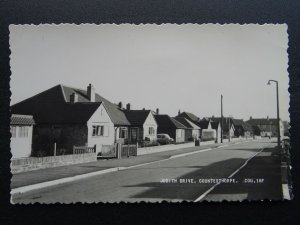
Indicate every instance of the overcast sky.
{"type": "Point", "coordinates": [169, 67]}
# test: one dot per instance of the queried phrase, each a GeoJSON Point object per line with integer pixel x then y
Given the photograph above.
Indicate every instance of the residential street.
{"type": "Point", "coordinates": [144, 183]}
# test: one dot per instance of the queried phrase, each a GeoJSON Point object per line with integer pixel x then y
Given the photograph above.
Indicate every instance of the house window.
{"type": "Point", "coordinates": [23, 132]}
{"type": "Point", "coordinates": [123, 133]}
{"type": "Point", "coordinates": [100, 131]}
{"type": "Point", "coordinates": [13, 131]}
{"type": "Point", "coordinates": [151, 131]}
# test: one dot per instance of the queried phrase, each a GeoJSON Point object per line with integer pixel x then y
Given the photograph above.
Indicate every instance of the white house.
{"type": "Point", "coordinates": [21, 127]}
{"type": "Point", "coordinates": [143, 125]}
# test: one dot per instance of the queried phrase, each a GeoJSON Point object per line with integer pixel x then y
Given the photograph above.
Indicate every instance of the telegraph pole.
{"type": "Point", "coordinates": [221, 118]}
{"type": "Point", "coordinates": [278, 118]}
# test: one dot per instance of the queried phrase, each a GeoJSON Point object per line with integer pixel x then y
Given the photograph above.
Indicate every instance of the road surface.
{"type": "Point", "coordinates": [178, 179]}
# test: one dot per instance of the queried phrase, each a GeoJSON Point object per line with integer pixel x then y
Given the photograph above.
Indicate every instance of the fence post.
{"type": "Point", "coordinates": [54, 148]}
{"type": "Point", "coordinates": [95, 147]}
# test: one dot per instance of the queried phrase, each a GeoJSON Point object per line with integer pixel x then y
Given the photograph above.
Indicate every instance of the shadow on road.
{"type": "Point", "coordinates": [264, 166]}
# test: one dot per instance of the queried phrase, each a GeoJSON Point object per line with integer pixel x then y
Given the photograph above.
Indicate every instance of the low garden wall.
{"type": "Point", "coordinates": [35, 163]}
{"type": "Point", "coordinates": [161, 148]}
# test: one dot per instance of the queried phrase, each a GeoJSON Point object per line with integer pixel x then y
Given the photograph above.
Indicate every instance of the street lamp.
{"type": "Point", "coordinates": [229, 117]}
{"type": "Point", "coordinates": [278, 123]}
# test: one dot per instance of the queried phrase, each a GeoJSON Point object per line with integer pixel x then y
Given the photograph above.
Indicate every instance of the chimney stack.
{"type": "Point", "coordinates": [91, 93]}
{"type": "Point", "coordinates": [128, 106]}
{"type": "Point", "coordinates": [73, 98]}
{"type": "Point", "coordinates": [267, 117]}
{"type": "Point", "coordinates": [157, 111]}
{"type": "Point", "coordinates": [120, 105]}
{"type": "Point", "coordinates": [250, 117]}
{"type": "Point", "coordinates": [179, 112]}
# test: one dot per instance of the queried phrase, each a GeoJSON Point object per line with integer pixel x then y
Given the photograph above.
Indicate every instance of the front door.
{"type": "Point", "coordinates": [134, 135]}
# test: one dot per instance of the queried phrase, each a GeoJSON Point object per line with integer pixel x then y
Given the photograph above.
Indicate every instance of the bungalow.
{"type": "Point", "coordinates": [242, 129]}
{"type": "Point", "coordinates": [143, 125]}
{"type": "Point", "coordinates": [207, 132]}
{"type": "Point", "coordinates": [170, 126]}
{"type": "Point", "coordinates": [21, 127]}
{"type": "Point", "coordinates": [192, 132]}
{"type": "Point", "coordinates": [70, 116]}
{"type": "Point", "coordinates": [227, 126]}
{"type": "Point", "coordinates": [266, 127]}
{"type": "Point", "coordinates": [189, 116]}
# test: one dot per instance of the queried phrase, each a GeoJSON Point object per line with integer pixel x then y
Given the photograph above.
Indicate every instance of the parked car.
{"type": "Point", "coordinates": [164, 139]}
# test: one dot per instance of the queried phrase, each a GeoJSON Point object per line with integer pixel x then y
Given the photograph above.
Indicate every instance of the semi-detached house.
{"type": "Point", "coordinates": [71, 117]}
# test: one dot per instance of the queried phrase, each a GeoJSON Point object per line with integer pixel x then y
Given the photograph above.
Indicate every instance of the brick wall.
{"type": "Point", "coordinates": [35, 163]}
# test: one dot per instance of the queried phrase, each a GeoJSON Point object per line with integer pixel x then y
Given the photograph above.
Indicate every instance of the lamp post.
{"type": "Point", "coordinates": [278, 122]}
{"type": "Point", "coordinates": [221, 118]}
{"type": "Point", "coordinates": [229, 138]}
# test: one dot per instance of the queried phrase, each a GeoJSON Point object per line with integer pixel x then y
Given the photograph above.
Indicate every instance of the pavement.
{"type": "Point", "coordinates": [143, 178]}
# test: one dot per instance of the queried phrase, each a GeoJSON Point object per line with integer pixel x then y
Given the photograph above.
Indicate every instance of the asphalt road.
{"type": "Point", "coordinates": [144, 183]}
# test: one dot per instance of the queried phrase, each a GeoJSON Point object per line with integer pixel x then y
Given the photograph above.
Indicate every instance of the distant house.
{"type": "Point", "coordinates": [189, 116]}
{"type": "Point", "coordinates": [170, 126]}
{"type": "Point", "coordinates": [242, 129]}
{"type": "Point", "coordinates": [143, 125]}
{"type": "Point", "coordinates": [70, 116]}
{"type": "Point", "coordinates": [21, 127]}
{"type": "Point", "coordinates": [192, 131]}
{"type": "Point", "coordinates": [227, 126]}
{"type": "Point", "coordinates": [266, 127]}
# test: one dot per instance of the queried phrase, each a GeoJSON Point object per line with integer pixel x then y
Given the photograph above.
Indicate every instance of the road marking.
{"type": "Point", "coordinates": [231, 175]}
{"type": "Point", "coordinates": [190, 153]}
{"type": "Point", "coordinates": [222, 146]}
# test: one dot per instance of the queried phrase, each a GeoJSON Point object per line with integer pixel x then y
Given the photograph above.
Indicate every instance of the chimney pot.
{"type": "Point", "coordinates": [73, 98]}
{"type": "Point", "coordinates": [91, 93]}
{"type": "Point", "coordinates": [120, 104]}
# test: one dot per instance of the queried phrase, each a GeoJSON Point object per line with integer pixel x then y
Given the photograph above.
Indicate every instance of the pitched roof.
{"type": "Point", "coordinates": [187, 123]}
{"type": "Point", "coordinates": [17, 119]}
{"type": "Point", "coordinates": [225, 122]}
{"type": "Point", "coordinates": [53, 106]}
{"type": "Point", "coordinates": [241, 123]}
{"type": "Point", "coordinates": [165, 121]}
{"type": "Point", "coordinates": [189, 116]}
{"type": "Point", "coordinates": [203, 124]}
{"type": "Point", "coordinates": [137, 117]}
{"type": "Point", "coordinates": [215, 124]}
{"type": "Point", "coordinates": [116, 115]}
{"type": "Point", "coordinates": [262, 121]}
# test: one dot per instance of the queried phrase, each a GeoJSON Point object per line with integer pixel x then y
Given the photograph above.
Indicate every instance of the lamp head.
{"type": "Point", "coordinates": [269, 83]}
